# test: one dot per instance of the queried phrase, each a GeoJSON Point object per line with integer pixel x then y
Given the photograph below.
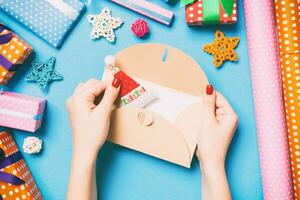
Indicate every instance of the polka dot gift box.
{"type": "Point", "coordinates": [21, 111]}
{"type": "Point", "coordinates": [13, 51]}
{"type": "Point", "coordinates": [201, 12]}
{"type": "Point", "coordinates": [49, 19]}
{"type": "Point", "coordinates": [16, 181]}
{"type": "Point", "coordinates": [287, 14]}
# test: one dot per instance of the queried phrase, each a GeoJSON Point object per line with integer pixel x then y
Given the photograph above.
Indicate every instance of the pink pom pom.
{"type": "Point", "coordinates": [109, 60]}
{"type": "Point", "coordinates": [140, 28]}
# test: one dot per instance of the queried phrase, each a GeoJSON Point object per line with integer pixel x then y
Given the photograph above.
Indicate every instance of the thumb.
{"type": "Point", "coordinates": [210, 103]}
{"type": "Point", "coordinates": [110, 95]}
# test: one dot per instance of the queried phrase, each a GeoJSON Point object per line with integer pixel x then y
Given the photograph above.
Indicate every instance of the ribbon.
{"type": "Point", "coordinates": [7, 161]}
{"type": "Point", "coordinates": [227, 5]}
{"type": "Point", "coordinates": [20, 114]}
{"type": "Point", "coordinates": [186, 2]}
{"type": "Point", "coordinates": [4, 39]}
{"type": "Point", "coordinates": [5, 63]}
{"type": "Point", "coordinates": [64, 8]}
{"type": "Point", "coordinates": [211, 9]}
{"type": "Point", "coordinates": [2, 155]}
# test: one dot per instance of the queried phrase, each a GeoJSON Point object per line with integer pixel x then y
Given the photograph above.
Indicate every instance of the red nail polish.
{"type": "Point", "coordinates": [116, 82]}
{"type": "Point", "coordinates": [209, 89]}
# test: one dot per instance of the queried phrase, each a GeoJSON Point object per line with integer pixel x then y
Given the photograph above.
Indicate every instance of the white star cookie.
{"type": "Point", "coordinates": [104, 25]}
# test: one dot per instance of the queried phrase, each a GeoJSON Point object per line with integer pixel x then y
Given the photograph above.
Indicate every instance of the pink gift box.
{"type": "Point", "coordinates": [21, 111]}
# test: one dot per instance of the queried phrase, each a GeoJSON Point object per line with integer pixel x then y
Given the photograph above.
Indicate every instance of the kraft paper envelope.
{"type": "Point", "coordinates": [179, 83]}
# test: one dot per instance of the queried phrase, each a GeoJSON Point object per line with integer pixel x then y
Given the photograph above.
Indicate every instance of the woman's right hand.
{"type": "Point", "coordinates": [218, 127]}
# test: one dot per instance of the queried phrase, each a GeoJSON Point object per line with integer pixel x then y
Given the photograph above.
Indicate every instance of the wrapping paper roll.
{"type": "Point", "coordinates": [148, 9]}
{"type": "Point", "coordinates": [288, 31]}
{"type": "Point", "coordinates": [268, 102]}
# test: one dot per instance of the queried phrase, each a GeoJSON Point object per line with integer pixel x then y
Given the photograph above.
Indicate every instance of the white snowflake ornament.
{"type": "Point", "coordinates": [32, 145]}
{"type": "Point", "coordinates": [104, 25]}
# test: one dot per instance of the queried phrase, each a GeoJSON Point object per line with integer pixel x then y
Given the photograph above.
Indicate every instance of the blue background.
{"type": "Point", "coordinates": [123, 173]}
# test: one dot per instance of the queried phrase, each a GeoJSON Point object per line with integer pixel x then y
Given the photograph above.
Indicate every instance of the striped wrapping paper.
{"type": "Point", "coordinates": [148, 9]}
{"type": "Point", "coordinates": [268, 102]}
{"type": "Point", "coordinates": [287, 14]}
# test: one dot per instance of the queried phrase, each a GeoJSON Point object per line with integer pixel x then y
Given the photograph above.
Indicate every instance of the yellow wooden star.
{"type": "Point", "coordinates": [222, 48]}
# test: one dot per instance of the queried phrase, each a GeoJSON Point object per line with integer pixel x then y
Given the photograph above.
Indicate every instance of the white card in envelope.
{"type": "Point", "coordinates": [169, 102]}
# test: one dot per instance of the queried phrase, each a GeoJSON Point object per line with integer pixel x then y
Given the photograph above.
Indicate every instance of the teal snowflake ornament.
{"type": "Point", "coordinates": [104, 25]}
{"type": "Point", "coordinates": [43, 73]}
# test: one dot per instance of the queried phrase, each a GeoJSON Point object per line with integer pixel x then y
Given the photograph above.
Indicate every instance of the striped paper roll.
{"type": "Point", "coordinates": [148, 9]}
{"type": "Point", "coordinates": [268, 102]}
{"type": "Point", "coordinates": [288, 27]}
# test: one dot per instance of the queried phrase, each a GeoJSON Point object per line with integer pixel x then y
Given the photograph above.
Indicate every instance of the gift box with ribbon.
{"type": "Point", "coordinates": [13, 52]}
{"type": "Point", "coordinates": [16, 181]}
{"type": "Point", "coordinates": [21, 111]}
{"type": "Point", "coordinates": [49, 19]}
{"type": "Point", "coordinates": [199, 12]}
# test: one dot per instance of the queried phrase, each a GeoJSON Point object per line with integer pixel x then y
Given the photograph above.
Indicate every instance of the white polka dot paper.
{"type": "Point", "coordinates": [194, 14]}
{"type": "Point", "coordinates": [26, 191]}
{"type": "Point", "coordinates": [21, 111]}
{"type": "Point", "coordinates": [287, 14]}
{"type": "Point", "coordinates": [49, 19]}
{"type": "Point", "coordinates": [268, 102]}
{"type": "Point", "coordinates": [16, 51]}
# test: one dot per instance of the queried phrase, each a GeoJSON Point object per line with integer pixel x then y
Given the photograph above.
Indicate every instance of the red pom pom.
{"type": "Point", "coordinates": [140, 28]}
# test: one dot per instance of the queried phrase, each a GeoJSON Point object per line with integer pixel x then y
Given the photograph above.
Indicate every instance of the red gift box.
{"type": "Point", "coordinates": [196, 14]}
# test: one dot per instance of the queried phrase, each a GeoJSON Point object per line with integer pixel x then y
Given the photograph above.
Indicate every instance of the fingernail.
{"type": "Point", "coordinates": [209, 89]}
{"type": "Point", "coordinates": [116, 82]}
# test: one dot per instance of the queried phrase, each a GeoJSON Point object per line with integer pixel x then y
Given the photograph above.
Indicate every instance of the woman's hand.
{"type": "Point", "coordinates": [218, 126]}
{"type": "Point", "coordinates": [90, 122]}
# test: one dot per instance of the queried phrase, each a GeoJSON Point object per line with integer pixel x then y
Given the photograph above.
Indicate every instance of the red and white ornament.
{"type": "Point", "coordinates": [132, 94]}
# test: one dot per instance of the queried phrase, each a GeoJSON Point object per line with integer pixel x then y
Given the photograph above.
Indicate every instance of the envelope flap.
{"type": "Point", "coordinates": [158, 137]}
{"type": "Point", "coordinates": [189, 122]}
{"type": "Point", "coordinates": [164, 65]}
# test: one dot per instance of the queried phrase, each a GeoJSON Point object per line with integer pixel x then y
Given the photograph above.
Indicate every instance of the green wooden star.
{"type": "Point", "coordinates": [43, 73]}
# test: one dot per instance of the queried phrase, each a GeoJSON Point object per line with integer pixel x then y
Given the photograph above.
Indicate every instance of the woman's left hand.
{"type": "Point", "coordinates": [90, 122]}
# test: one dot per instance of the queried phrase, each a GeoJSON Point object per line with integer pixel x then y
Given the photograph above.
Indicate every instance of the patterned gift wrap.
{"type": "Point", "coordinates": [211, 12]}
{"type": "Point", "coordinates": [287, 14]}
{"type": "Point", "coordinates": [49, 19]}
{"type": "Point", "coordinates": [21, 111]}
{"type": "Point", "coordinates": [16, 181]}
{"type": "Point", "coordinates": [268, 102]}
{"type": "Point", "coordinates": [13, 52]}
{"type": "Point", "coordinates": [148, 9]}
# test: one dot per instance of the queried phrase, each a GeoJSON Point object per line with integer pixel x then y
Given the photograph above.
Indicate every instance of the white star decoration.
{"type": "Point", "coordinates": [104, 25]}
